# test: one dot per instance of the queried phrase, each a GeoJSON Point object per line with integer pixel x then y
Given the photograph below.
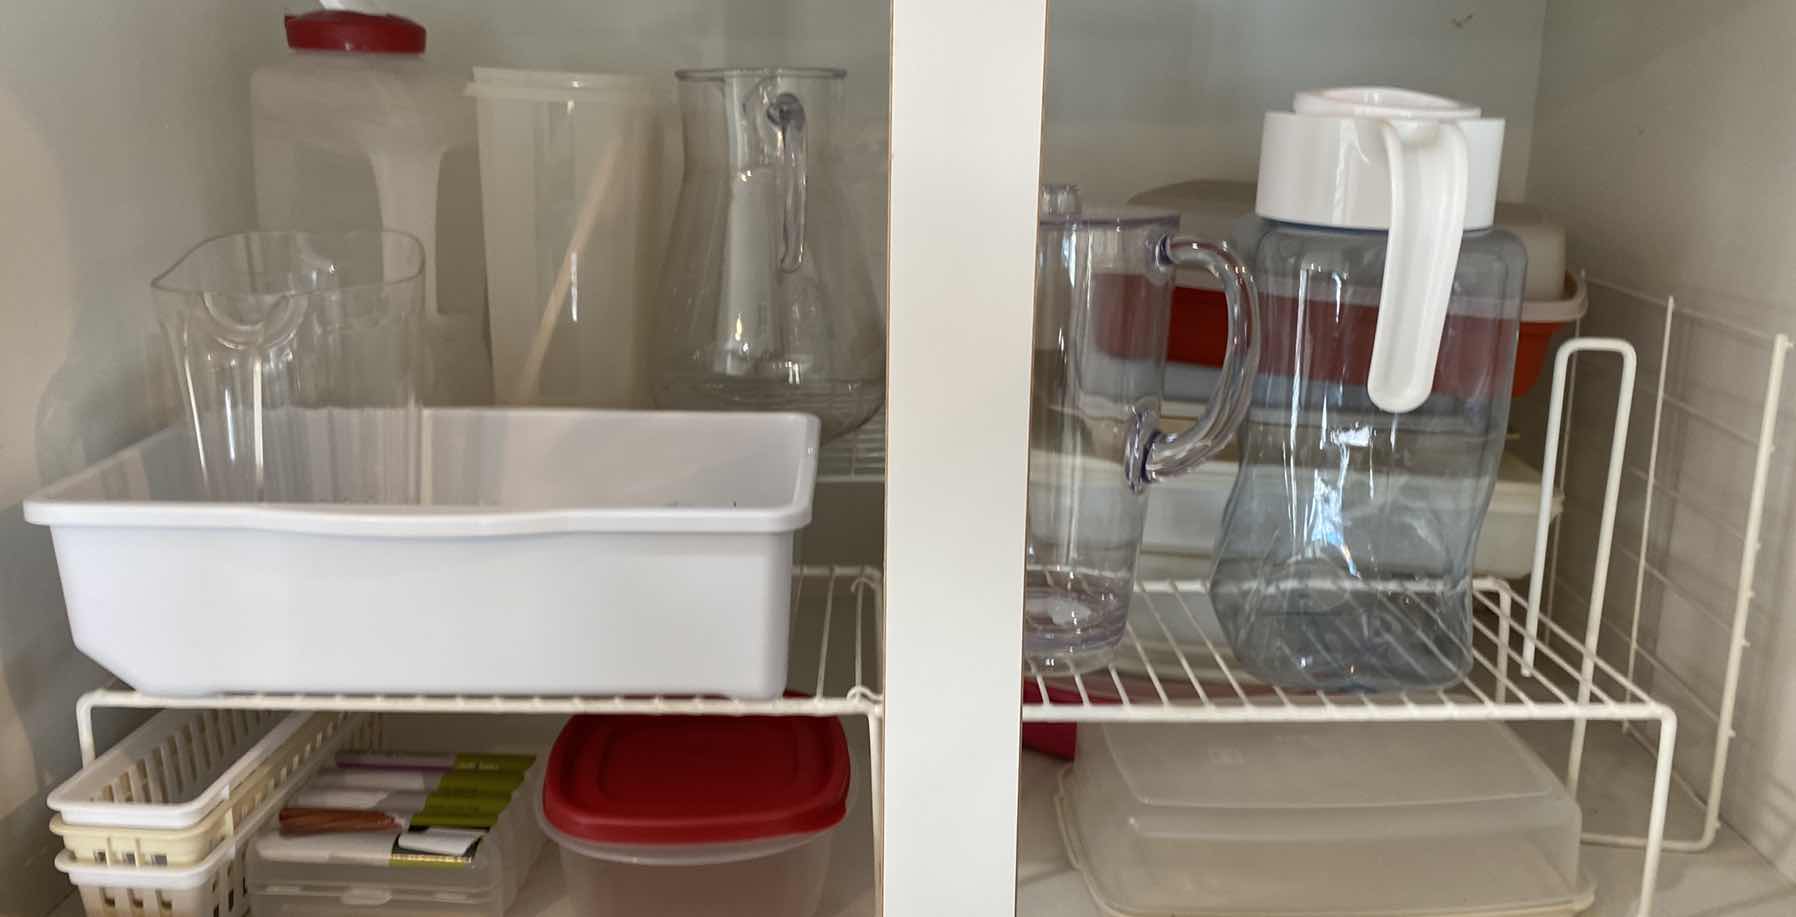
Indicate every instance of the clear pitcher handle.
{"type": "Point", "coordinates": [785, 113]}
{"type": "Point", "coordinates": [1170, 454]}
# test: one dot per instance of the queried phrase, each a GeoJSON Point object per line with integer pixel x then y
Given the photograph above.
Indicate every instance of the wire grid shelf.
{"type": "Point", "coordinates": [1726, 611]}
{"type": "Point", "coordinates": [1169, 668]}
{"type": "Point", "coordinates": [833, 663]}
{"type": "Point", "coordinates": [858, 456]}
{"type": "Point", "coordinates": [1525, 666]}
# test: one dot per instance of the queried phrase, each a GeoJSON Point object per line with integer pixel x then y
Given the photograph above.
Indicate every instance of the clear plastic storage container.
{"type": "Point", "coordinates": [579, 173]}
{"type": "Point", "coordinates": [696, 816]}
{"type": "Point", "coordinates": [357, 130]}
{"type": "Point", "coordinates": [337, 889]}
{"type": "Point", "coordinates": [1291, 819]}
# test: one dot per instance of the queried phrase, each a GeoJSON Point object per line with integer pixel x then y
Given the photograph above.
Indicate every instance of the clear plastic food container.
{"type": "Point", "coordinates": [1297, 819]}
{"type": "Point", "coordinates": [334, 889]}
{"type": "Point", "coordinates": [695, 816]}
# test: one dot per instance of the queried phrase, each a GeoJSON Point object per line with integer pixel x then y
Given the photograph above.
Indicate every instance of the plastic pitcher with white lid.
{"type": "Point", "coordinates": [1390, 309]}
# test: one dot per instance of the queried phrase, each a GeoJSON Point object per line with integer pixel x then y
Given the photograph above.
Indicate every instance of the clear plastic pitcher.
{"type": "Point", "coordinates": [273, 332]}
{"type": "Point", "coordinates": [765, 302]}
{"type": "Point", "coordinates": [579, 173]}
{"type": "Point", "coordinates": [1103, 299]}
{"type": "Point", "coordinates": [1371, 449]}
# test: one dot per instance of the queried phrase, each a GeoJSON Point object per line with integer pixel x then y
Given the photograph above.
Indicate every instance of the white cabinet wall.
{"type": "Point", "coordinates": [1664, 138]}
{"type": "Point", "coordinates": [124, 138]}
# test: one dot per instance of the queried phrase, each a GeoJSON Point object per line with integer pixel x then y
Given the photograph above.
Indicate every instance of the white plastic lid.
{"type": "Point", "coordinates": [1422, 167]}
{"type": "Point", "coordinates": [565, 86]}
{"type": "Point", "coordinates": [1326, 162]}
{"type": "Point", "coordinates": [1257, 820]}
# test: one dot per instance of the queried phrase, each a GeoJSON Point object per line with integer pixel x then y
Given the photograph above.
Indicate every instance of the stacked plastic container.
{"type": "Point", "coordinates": [486, 888]}
{"type": "Point", "coordinates": [707, 816]}
{"type": "Point", "coordinates": [159, 823]}
{"type": "Point", "coordinates": [1321, 821]}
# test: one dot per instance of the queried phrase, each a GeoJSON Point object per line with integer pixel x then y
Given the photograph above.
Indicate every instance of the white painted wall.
{"type": "Point", "coordinates": [1665, 141]}
{"type": "Point", "coordinates": [123, 140]}
{"type": "Point", "coordinates": [1143, 93]}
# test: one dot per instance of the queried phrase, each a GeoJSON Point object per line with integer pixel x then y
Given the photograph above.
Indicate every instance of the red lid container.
{"type": "Point", "coordinates": [695, 779]}
{"type": "Point", "coordinates": [361, 33]}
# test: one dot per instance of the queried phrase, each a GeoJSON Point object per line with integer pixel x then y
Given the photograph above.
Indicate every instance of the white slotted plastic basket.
{"type": "Point", "coordinates": [215, 885]}
{"type": "Point", "coordinates": [180, 785]}
{"type": "Point", "coordinates": [173, 770]}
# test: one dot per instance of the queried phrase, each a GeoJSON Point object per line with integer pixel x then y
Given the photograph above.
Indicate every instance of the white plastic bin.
{"type": "Point", "coordinates": [579, 173]}
{"type": "Point", "coordinates": [1184, 515]}
{"type": "Point", "coordinates": [555, 555]}
{"type": "Point", "coordinates": [1303, 819]}
{"type": "Point", "coordinates": [708, 816]}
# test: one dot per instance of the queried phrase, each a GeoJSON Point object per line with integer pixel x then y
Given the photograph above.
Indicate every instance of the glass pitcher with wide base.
{"type": "Point", "coordinates": [1103, 299]}
{"type": "Point", "coordinates": [765, 301]}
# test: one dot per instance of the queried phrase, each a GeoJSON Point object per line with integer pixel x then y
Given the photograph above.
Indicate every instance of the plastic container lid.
{"type": "Point", "coordinates": [1288, 819]}
{"type": "Point", "coordinates": [702, 780]}
{"type": "Point", "coordinates": [361, 33]}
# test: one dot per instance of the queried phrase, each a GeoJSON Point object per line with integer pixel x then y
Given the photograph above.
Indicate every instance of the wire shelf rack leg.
{"type": "Point", "coordinates": [1743, 593]}
{"type": "Point", "coordinates": [1777, 347]}
{"type": "Point", "coordinates": [1649, 495]}
{"type": "Point", "coordinates": [1618, 446]}
{"type": "Point", "coordinates": [1655, 824]}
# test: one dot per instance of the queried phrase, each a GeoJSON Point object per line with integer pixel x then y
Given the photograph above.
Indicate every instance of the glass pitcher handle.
{"type": "Point", "coordinates": [1169, 454]}
{"type": "Point", "coordinates": [786, 114]}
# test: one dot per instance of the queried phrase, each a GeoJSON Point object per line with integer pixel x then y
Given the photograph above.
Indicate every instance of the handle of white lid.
{"type": "Point", "coordinates": [1427, 161]}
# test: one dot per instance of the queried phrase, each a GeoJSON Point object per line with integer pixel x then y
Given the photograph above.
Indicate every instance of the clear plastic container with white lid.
{"type": "Point", "coordinates": [1292, 819]}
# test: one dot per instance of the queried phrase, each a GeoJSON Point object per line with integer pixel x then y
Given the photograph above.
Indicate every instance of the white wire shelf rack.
{"type": "Point", "coordinates": [1526, 667]}
{"type": "Point", "coordinates": [1169, 668]}
{"type": "Point", "coordinates": [833, 664]}
{"type": "Point", "coordinates": [859, 456]}
{"type": "Point", "coordinates": [1660, 497]}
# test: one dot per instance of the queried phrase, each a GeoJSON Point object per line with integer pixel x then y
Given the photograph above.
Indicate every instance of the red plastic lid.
{"type": "Point", "coordinates": [366, 33]}
{"type": "Point", "coordinates": [695, 779]}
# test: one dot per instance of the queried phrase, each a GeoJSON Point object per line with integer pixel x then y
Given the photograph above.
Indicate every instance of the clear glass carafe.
{"type": "Point", "coordinates": [765, 300]}
{"type": "Point", "coordinates": [275, 335]}
{"type": "Point", "coordinates": [1103, 300]}
{"type": "Point", "coordinates": [1344, 561]}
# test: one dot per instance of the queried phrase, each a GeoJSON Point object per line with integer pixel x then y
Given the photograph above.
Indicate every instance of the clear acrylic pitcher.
{"type": "Point", "coordinates": [1103, 299]}
{"type": "Point", "coordinates": [270, 333]}
{"type": "Point", "coordinates": [765, 300]}
{"type": "Point", "coordinates": [1390, 312]}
